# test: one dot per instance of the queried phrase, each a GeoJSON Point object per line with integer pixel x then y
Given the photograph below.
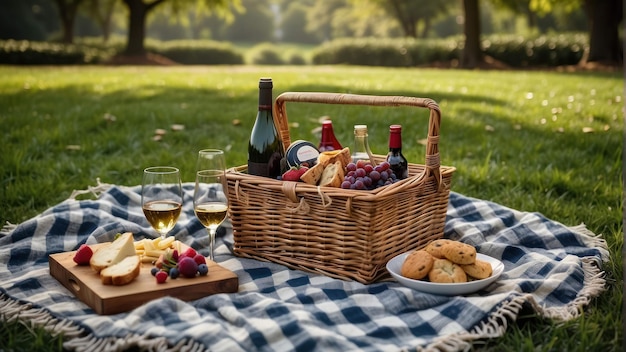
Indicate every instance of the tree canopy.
{"type": "Point", "coordinates": [310, 21]}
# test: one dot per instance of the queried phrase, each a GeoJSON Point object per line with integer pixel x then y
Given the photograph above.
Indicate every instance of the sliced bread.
{"type": "Point", "coordinates": [113, 253]}
{"type": "Point", "coordinates": [333, 175]}
{"type": "Point", "coordinates": [330, 157]}
{"type": "Point", "coordinates": [123, 272]}
{"type": "Point", "coordinates": [313, 174]}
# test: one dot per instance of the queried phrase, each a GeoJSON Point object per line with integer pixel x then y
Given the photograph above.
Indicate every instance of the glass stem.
{"type": "Point", "coordinates": [212, 232]}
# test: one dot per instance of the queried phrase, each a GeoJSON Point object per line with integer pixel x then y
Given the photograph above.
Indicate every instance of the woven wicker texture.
{"type": "Point", "coordinates": [347, 234]}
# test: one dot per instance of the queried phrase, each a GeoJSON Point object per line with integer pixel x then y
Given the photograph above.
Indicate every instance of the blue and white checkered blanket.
{"type": "Point", "coordinates": [549, 267]}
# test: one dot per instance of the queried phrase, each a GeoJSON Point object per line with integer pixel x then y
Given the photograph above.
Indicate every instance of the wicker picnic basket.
{"type": "Point", "coordinates": [342, 233]}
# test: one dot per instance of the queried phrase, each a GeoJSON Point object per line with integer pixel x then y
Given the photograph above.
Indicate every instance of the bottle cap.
{"type": "Point", "coordinates": [395, 128]}
{"type": "Point", "coordinates": [266, 83]}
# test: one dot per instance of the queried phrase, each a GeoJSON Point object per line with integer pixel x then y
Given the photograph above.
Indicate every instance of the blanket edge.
{"type": "Point", "coordinates": [75, 338]}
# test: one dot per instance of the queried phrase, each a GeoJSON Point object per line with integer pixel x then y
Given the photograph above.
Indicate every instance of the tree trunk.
{"type": "Point", "coordinates": [68, 31]}
{"type": "Point", "coordinates": [104, 14]}
{"type": "Point", "coordinates": [407, 22]}
{"type": "Point", "coordinates": [472, 52]}
{"type": "Point", "coordinates": [67, 12]}
{"type": "Point", "coordinates": [137, 25]}
{"type": "Point", "coordinates": [604, 19]}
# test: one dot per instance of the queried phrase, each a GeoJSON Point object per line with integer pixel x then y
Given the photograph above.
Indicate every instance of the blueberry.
{"type": "Point", "coordinates": [203, 269]}
{"type": "Point", "coordinates": [154, 271]}
{"type": "Point", "coordinates": [174, 273]}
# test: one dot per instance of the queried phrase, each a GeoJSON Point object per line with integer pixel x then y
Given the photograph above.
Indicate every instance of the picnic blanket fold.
{"type": "Point", "coordinates": [550, 267]}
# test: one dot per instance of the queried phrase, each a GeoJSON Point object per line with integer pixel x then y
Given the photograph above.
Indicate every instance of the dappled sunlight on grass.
{"type": "Point", "coordinates": [538, 141]}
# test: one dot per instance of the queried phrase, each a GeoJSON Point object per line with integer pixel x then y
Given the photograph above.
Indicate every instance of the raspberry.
{"type": "Point", "coordinates": [199, 259]}
{"type": "Point", "coordinates": [161, 276]}
{"type": "Point", "coordinates": [190, 252]}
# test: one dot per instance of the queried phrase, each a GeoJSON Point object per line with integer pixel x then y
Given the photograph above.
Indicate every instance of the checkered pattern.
{"type": "Point", "coordinates": [550, 267]}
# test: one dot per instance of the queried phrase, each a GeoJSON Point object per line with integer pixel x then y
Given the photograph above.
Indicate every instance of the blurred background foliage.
{"type": "Point", "coordinates": [517, 33]}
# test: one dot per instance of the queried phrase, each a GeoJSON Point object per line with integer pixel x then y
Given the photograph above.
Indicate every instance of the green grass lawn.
{"type": "Point", "coordinates": [537, 141]}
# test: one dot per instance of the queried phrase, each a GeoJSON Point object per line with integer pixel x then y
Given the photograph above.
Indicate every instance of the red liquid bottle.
{"type": "Point", "coordinates": [328, 141]}
{"type": "Point", "coordinates": [396, 160]}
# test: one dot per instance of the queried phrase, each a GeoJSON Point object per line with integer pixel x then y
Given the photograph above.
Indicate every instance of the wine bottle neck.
{"type": "Point", "coordinates": [265, 99]}
{"type": "Point", "coordinates": [265, 94]}
{"type": "Point", "coordinates": [395, 141]}
{"type": "Point", "coordinates": [395, 137]}
{"type": "Point", "coordinates": [327, 133]}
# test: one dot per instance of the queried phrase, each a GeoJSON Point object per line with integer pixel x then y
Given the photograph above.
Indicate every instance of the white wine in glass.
{"type": "Point", "coordinates": [161, 197]}
{"type": "Point", "coordinates": [210, 201]}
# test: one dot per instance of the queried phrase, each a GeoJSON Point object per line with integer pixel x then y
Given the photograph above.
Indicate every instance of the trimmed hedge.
{"type": "Point", "coordinates": [517, 51]}
{"type": "Point", "coordinates": [23, 52]}
{"type": "Point", "coordinates": [198, 52]}
{"type": "Point", "coordinates": [265, 54]}
{"type": "Point", "coordinates": [514, 51]}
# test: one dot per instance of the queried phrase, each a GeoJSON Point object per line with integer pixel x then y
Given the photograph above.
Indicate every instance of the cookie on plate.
{"type": "Point", "coordinates": [459, 252]}
{"type": "Point", "coordinates": [417, 265]}
{"type": "Point", "coordinates": [445, 271]}
{"type": "Point", "coordinates": [435, 247]}
{"type": "Point", "coordinates": [480, 269]}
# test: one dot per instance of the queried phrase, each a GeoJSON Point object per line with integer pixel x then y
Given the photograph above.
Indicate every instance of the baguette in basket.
{"type": "Point", "coordinates": [329, 170]}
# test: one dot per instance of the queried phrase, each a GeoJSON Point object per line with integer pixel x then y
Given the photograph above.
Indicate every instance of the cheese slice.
{"type": "Point", "coordinates": [113, 253]}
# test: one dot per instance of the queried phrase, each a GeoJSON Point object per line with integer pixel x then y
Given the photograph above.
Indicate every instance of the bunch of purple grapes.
{"type": "Point", "coordinates": [362, 175]}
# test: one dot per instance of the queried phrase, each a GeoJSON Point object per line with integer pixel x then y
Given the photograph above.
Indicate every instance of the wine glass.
{"type": "Point", "coordinates": [210, 202]}
{"type": "Point", "coordinates": [161, 197]}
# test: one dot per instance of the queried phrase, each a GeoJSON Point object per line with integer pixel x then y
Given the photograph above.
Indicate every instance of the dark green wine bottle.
{"type": "Point", "coordinates": [265, 148]}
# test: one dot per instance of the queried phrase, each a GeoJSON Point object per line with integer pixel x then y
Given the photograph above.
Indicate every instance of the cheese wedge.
{"type": "Point", "coordinates": [113, 253]}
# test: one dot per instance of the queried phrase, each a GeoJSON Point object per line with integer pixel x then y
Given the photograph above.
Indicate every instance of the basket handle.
{"type": "Point", "coordinates": [432, 158]}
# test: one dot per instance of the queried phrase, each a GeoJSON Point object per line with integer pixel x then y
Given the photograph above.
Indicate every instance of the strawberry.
{"type": "Point", "coordinates": [302, 170]}
{"type": "Point", "coordinates": [294, 173]}
{"type": "Point", "coordinates": [83, 255]}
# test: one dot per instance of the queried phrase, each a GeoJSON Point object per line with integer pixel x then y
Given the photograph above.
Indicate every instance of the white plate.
{"type": "Point", "coordinates": [395, 264]}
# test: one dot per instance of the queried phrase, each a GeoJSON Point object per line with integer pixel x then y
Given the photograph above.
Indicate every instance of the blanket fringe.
{"type": "Point", "coordinates": [143, 342]}
{"type": "Point", "coordinates": [7, 228]}
{"type": "Point", "coordinates": [496, 325]}
{"type": "Point", "coordinates": [74, 336]}
{"type": "Point", "coordinates": [592, 240]}
{"type": "Point", "coordinates": [12, 311]}
{"type": "Point", "coordinates": [94, 190]}
{"type": "Point", "coordinates": [594, 285]}
{"type": "Point", "coordinates": [100, 188]}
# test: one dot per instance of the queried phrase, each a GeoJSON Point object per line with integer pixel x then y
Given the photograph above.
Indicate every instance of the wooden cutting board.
{"type": "Point", "coordinates": [85, 284]}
